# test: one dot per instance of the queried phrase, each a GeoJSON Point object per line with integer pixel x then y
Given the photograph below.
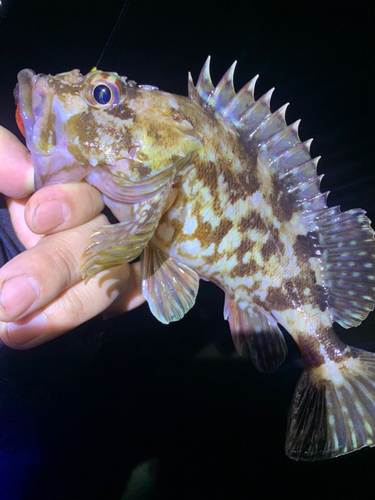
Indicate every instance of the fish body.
{"type": "Point", "coordinates": [216, 186]}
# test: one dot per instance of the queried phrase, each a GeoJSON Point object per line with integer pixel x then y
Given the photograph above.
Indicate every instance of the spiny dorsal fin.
{"type": "Point", "coordinates": [237, 106]}
{"type": "Point", "coordinates": [204, 85]}
{"type": "Point", "coordinates": [224, 91]}
{"type": "Point", "coordinates": [345, 243]}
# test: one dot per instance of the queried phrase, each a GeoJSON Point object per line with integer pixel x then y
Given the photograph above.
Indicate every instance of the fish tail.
{"type": "Point", "coordinates": [333, 409]}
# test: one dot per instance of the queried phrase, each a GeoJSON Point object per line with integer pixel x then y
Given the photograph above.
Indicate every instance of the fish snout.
{"type": "Point", "coordinates": [34, 101]}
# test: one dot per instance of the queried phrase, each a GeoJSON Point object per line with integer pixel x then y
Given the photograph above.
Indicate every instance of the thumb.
{"type": "Point", "coordinates": [16, 170]}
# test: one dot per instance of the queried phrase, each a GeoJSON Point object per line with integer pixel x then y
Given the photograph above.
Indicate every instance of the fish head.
{"type": "Point", "coordinates": [126, 140]}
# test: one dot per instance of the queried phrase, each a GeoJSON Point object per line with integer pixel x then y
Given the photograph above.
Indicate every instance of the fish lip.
{"type": "Point", "coordinates": [29, 88]}
{"type": "Point", "coordinates": [22, 95]}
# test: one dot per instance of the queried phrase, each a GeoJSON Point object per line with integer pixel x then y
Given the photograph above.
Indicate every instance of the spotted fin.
{"type": "Point", "coordinates": [343, 242]}
{"type": "Point", "coordinates": [250, 325]}
{"type": "Point", "coordinates": [169, 287]}
{"type": "Point", "coordinates": [333, 410]}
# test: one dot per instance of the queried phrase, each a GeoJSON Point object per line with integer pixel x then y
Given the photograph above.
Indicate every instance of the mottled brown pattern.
{"type": "Point", "coordinates": [275, 236]}
{"type": "Point", "coordinates": [278, 298]}
{"type": "Point", "coordinates": [177, 226]}
{"type": "Point", "coordinates": [214, 258]}
{"type": "Point", "coordinates": [127, 137]}
{"type": "Point", "coordinates": [307, 280]}
{"type": "Point", "coordinates": [268, 249]}
{"type": "Point", "coordinates": [207, 173]}
{"type": "Point", "coordinates": [292, 293]}
{"type": "Point", "coordinates": [304, 246]}
{"type": "Point", "coordinates": [224, 227]}
{"type": "Point", "coordinates": [310, 350]}
{"type": "Point", "coordinates": [154, 134]}
{"type": "Point", "coordinates": [310, 347]}
{"type": "Point", "coordinates": [321, 297]}
{"type": "Point", "coordinates": [85, 127]}
{"type": "Point", "coordinates": [256, 221]}
{"type": "Point", "coordinates": [245, 246]}
{"type": "Point", "coordinates": [239, 186]}
{"type": "Point", "coordinates": [142, 170]}
{"type": "Point", "coordinates": [206, 234]}
{"type": "Point", "coordinates": [252, 221]}
{"type": "Point", "coordinates": [63, 89]}
{"type": "Point", "coordinates": [249, 290]}
{"type": "Point", "coordinates": [123, 111]}
{"type": "Point", "coordinates": [280, 201]}
{"type": "Point", "coordinates": [242, 270]}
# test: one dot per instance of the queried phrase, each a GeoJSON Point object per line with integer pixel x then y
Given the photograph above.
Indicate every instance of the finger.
{"type": "Point", "coordinates": [34, 278]}
{"type": "Point", "coordinates": [73, 307]}
{"type": "Point", "coordinates": [17, 216]}
{"type": "Point", "coordinates": [16, 170]}
{"type": "Point", "coordinates": [132, 296]}
{"type": "Point", "coordinates": [62, 206]}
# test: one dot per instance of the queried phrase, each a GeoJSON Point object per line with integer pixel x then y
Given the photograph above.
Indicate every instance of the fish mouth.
{"type": "Point", "coordinates": [44, 131]}
{"type": "Point", "coordinates": [23, 98]}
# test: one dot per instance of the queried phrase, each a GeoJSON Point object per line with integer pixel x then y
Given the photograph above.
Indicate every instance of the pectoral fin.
{"type": "Point", "coordinates": [169, 287]}
{"type": "Point", "coordinates": [250, 325]}
{"type": "Point", "coordinates": [116, 244]}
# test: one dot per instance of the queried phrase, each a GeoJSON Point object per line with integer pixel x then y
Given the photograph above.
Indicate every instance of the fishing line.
{"type": "Point", "coordinates": [114, 30]}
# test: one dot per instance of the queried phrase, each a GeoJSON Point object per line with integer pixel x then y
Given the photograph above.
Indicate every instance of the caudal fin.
{"type": "Point", "coordinates": [333, 409]}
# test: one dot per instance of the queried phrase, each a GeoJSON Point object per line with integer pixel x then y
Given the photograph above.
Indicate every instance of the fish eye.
{"type": "Point", "coordinates": [102, 94]}
{"type": "Point", "coordinates": [103, 90]}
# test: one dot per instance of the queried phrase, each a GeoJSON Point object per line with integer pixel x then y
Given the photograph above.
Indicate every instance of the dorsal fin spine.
{"type": "Point", "coordinates": [240, 102]}
{"type": "Point", "coordinates": [204, 85]}
{"type": "Point", "coordinates": [224, 91]}
{"type": "Point", "coordinates": [253, 117]}
{"type": "Point", "coordinates": [304, 187]}
{"type": "Point", "coordinates": [302, 151]}
{"type": "Point", "coordinates": [286, 144]}
{"type": "Point", "coordinates": [313, 205]}
{"type": "Point", "coordinates": [192, 91]}
{"type": "Point", "coordinates": [272, 124]}
{"type": "Point", "coordinates": [304, 168]}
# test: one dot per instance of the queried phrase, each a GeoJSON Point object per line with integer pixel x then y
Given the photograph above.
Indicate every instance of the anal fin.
{"type": "Point", "coordinates": [333, 410]}
{"type": "Point", "coordinates": [250, 325]}
{"type": "Point", "coordinates": [169, 287]}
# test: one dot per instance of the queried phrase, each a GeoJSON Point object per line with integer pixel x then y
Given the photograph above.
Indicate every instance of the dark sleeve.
{"type": "Point", "coordinates": [10, 246]}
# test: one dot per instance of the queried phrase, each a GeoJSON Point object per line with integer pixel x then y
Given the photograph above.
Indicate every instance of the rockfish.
{"type": "Point", "coordinates": [218, 187]}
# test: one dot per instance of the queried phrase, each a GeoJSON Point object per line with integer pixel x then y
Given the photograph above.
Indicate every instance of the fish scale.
{"type": "Point", "coordinates": [217, 186]}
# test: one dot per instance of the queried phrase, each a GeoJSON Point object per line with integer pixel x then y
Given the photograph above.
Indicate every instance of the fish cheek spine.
{"type": "Point", "coordinates": [276, 249]}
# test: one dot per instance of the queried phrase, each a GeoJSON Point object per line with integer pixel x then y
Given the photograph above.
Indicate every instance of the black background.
{"type": "Point", "coordinates": [178, 394]}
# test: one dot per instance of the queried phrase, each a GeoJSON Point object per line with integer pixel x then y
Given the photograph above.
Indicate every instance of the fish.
{"type": "Point", "coordinates": [216, 186]}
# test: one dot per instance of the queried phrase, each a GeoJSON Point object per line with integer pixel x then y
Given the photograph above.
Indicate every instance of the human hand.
{"type": "Point", "coordinates": [42, 294]}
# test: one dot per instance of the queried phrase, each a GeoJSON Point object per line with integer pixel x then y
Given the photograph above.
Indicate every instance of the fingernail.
{"type": "Point", "coordinates": [18, 295]}
{"type": "Point", "coordinates": [49, 215]}
{"type": "Point", "coordinates": [26, 330]}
